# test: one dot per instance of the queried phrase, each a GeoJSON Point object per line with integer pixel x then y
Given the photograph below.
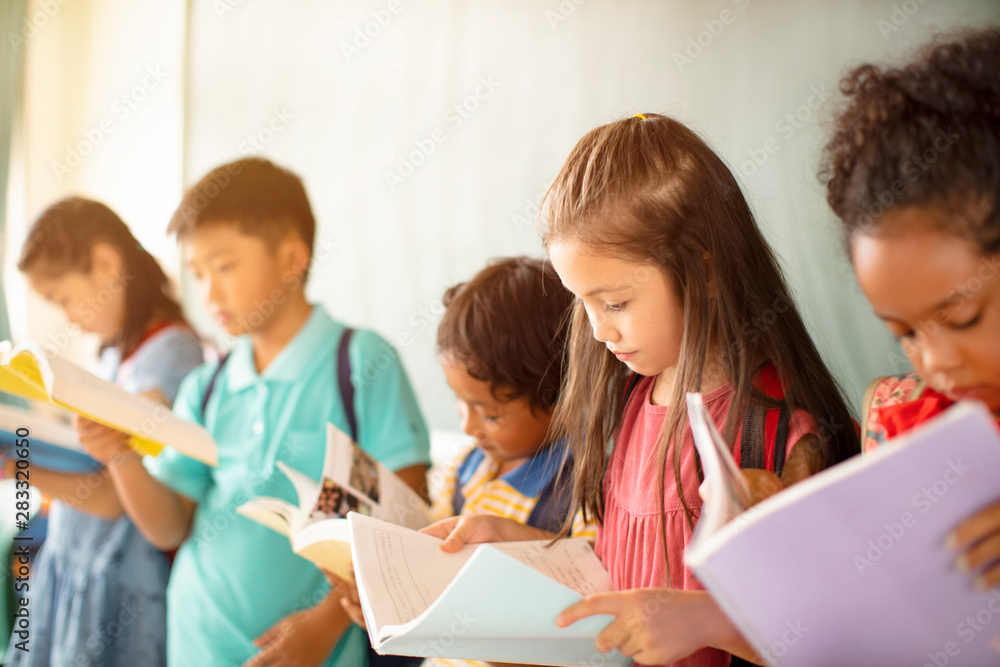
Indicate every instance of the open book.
{"type": "Point", "coordinates": [351, 480]}
{"type": "Point", "coordinates": [849, 567]}
{"type": "Point", "coordinates": [494, 602]}
{"type": "Point", "coordinates": [53, 443]}
{"type": "Point", "coordinates": [28, 371]}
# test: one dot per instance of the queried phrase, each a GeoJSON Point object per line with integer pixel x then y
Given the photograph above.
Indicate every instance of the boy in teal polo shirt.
{"type": "Point", "coordinates": [237, 593]}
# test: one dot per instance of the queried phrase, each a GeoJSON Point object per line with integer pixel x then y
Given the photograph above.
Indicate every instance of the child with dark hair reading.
{"type": "Point", "coordinates": [95, 566]}
{"type": "Point", "coordinates": [238, 594]}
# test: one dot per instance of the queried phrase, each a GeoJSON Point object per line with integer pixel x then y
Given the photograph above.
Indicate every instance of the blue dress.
{"type": "Point", "coordinates": [98, 588]}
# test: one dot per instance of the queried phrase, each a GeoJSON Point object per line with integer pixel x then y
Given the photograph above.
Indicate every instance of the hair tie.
{"type": "Point", "coordinates": [639, 115]}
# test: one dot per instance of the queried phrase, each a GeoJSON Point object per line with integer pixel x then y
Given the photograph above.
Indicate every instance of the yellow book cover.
{"type": "Point", "coordinates": [26, 370]}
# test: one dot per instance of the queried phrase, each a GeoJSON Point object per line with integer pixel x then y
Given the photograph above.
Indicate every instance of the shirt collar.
{"type": "Point", "coordinates": [534, 475]}
{"type": "Point", "coordinates": [314, 340]}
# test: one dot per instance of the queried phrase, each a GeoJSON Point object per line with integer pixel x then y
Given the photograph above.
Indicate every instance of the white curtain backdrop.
{"type": "Point", "coordinates": [426, 133]}
{"type": "Point", "coordinates": [102, 117]}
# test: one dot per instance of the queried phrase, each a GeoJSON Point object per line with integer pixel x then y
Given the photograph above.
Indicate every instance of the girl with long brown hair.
{"type": "Point", "coordinates": [677, 291]}
{"type": "Point", "coordinates": [95, 570]}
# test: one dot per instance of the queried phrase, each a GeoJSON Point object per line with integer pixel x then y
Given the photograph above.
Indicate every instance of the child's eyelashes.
{"type": "Point", "coordinates": [608, 307]}
{"type": "Point", "coordinates": [968, 324]}
{"type": "Point", "coordinates": [911, 335]}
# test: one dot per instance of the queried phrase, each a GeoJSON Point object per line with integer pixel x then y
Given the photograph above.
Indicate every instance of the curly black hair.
{"type": "Point", "coordinates": [926, 134]}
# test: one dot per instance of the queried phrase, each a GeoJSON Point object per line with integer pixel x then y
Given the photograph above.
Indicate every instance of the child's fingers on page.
{"type": "Point", "coordinates": [978, 526]}
{"type": "Point", "coordinates": [441, 529]}
{"type": "Point", "coordinates": [464, 530]}
{"type": "Point", "coordinates": [265, 639]}
{"type": "Point", "coordinates": [262, 658]}
{"type": "Point", "coordinates": [602, 603]}
{"type": "Point", "coordinates": [990, 578]}
{"type": "Point", "coordinates": [354, 612]}
{"type": "Point", "coordinates": [615, 635]}
{"type": "Point", "coordinates": [983, 553]}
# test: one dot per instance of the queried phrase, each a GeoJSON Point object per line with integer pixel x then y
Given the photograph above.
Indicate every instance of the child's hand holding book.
{"type": "Point", "coordinates": [978, 540]}
{"type": "Point", "coordinates": [304, 639]}
{"type": "Point", "coordinates": [656, 626]}
{"type": "Point", "coordinates": [101, 442]}
{"type": "Point", "coordinates": [350, 600]}
{"type": "Point", "coordinates": [457, 531]}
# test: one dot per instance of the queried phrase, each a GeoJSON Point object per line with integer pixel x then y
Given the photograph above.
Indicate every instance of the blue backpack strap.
{"type": "Point", "coordinates": [344, 381]}
{"type": "Point", "coordinates": [211, 385]}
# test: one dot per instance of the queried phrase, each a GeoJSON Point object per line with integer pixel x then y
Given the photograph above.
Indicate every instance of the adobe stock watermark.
{"type": "Point", "coordinates": [787, 125]}
{"type": "Point", "coordinates": [460, 625]}
{"type": "Point", "coordinates": [923, 502]}
{"type": "Point", "coordinates": [898, 17]}
{"type": "Point", "coordinates": [967, 630]}
{"type": "Point", "coordinates": [454, 117]}
{"type": "Point", "coordinates": [925, 330]}
{"type": "Point", "coordinates": [32, 25]}
{"type": "Point", "coordinates": [525, 218]}
{"type": "Point", "coordinates": [278, 122]}
{"type": "Point", "coordinates": [121, 109]}
{"type": "Point", "coordinates": [224, 7]}
{"type": "Point", "coordinates": [327, 246]}
{"type": "Point", "coordinates": [57, 341]}
{"type": "Point", "coordinates": [913, 169]}
{"type": "Point", "coordinates": [561, 13]}
{"type": "Point", "coordinates": [704, 39]}
{"type": "Point", "coordinates": [365, 33]}
{"type": "Point", "coordinates": [420, 320]}
{"type": "Point", "coordinates": [91, 651]}
{"type": "Point", "coordinates": [779, 648]}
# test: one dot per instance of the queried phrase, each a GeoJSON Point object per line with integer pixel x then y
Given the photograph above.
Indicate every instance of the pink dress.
{"type": "Point", "coordinates": [629, 542]}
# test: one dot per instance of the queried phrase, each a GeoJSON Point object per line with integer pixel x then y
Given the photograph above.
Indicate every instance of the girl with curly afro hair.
{"type": "Point", "coordinates": [913, 172]}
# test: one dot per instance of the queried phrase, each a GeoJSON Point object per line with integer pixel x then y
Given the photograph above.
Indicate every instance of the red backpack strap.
{"type": "Point", "coordinates": [764, 436]}
{"type": "Point", "coordinates": [630, 384]}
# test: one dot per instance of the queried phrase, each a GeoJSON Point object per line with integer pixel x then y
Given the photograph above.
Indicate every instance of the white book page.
{"type": "Point", "coordinates": [724, 491]}
{"type": "Point", "coordinates": [572, 562]}
{"type": "Point", "coordinates": [274, 513]}
{"type": "Point", "coordinates": [399, 572]}
{"type": "Point", "coordinates": [70, 386]}
{"type": "Point", "coordinates": [104, 401]}
{"type": "Point", "coordinates": [306, 492]}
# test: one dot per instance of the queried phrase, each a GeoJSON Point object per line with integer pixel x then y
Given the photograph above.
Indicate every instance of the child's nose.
{"type": "Point", "coordinates": [210, 291]}
{"type": "Point", "coordinates": [603, 331]}
{"type": "Point", "coordinates": [938, 354]}
{"type": "Point", "coordinates": [472, 425]}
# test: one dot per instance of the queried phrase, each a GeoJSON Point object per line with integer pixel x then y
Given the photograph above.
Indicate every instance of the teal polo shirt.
{"type": "Point", "coordinates": [233, 578]}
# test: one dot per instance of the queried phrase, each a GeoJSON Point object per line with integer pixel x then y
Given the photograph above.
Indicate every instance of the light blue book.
{"type": "Point", "coordinates": [493, 602]}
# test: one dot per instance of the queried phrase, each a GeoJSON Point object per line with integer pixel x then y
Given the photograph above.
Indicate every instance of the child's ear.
{"type": "Point", "coordinates": [295, 257]}
{"type": "Point", "coordinates": [106, 262]}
